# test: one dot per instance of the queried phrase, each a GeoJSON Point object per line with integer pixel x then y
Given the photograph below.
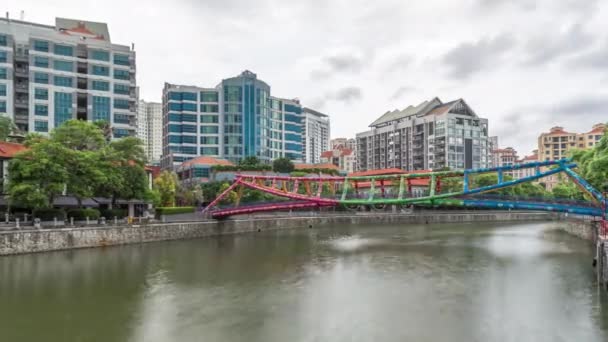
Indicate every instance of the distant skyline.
{"type": "Point", "coordinates": [525, 65]}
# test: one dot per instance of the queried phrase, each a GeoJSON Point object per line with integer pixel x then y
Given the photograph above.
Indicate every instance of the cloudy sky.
{"type": "Point", "coordinates": [526, 65]}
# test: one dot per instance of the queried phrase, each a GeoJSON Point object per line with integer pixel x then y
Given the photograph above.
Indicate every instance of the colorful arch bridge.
{"type": "Point", "coordinates": [445, 188]}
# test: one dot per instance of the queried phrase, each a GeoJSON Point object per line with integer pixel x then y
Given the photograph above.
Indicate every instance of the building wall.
{"type": "Point", "coordinates": [149, 129]}
{"type": "Point", "coordinates": [315, 135]}
{"type": "Point", "coordinates": [67, 71]}
{"type": "Point", "coordinates": [236, 119]}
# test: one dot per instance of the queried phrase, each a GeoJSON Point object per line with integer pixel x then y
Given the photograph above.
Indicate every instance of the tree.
{"type": "Point", "coordinates": [79, 135]}
{"type": "Point", "coordinates": [6, 127]}
{"type": "Point", "coordinates": [593, 164]}
{"type": "Point", "coordinates": [250, 161]}
{"type": "Point", "coordinates": [282, 165]}
{"type": "Point", "coordinates": [167, 186]}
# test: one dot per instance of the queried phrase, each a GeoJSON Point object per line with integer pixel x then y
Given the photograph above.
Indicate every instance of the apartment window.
{"type": "Point", "coordinates": [100, 85]}
{"type": "Point", "coordinates": [175, 139]}
{"type": "Point", "coordinates": [63, 50]}
{"type": "Point", "coordinates": [41, 45]}
{"type": "Point", "coordinates": [122, 118]}
{"type": "Point", "coordinates": [209, 151]}
{"type": "Point", "coordinates": [233, 140]}
{"type": "Point", "coordinates": [208, 108]}
{"type": "Point", "coordinates": [101, 108]}
{"type": "Point", "coordinates": [41, 62]}
{"type": "Point", "coordinates": [233, 93]}
{"type": "Point", "coordinates": [2, 106]}
{"type": "Point", "coordinates": [62, 81]}
{"type": "Point", "coordinates": [63, 107]}
{"type": "Point", "coordinates": [188, 139]}
{"type": "Point", "coordinates": [188, 129]}
{"type": "Point", "coordinates": [175, 128]}
{"type": "Point", "coordinates": [201, 172]}
{"type": "Point", "coordinates": [233, 108]}
{"type": "Point", "coordinates": [3, 74]}
{"type": "Point", "coordinates": [293, 118]}
{"type": "Point", "coordinates": [190, 107]}
{"type": "Point", "coordinates": [41, 126]}
{"type": "Point", "coordinates": [209, 141]}
{"type": "Point", "coordinates": [100, 70]}
{"type": "Point", "coordinates": [100, 55]}
{"type": "Point", "coordinates": [2, 89]}
{"type": "Point", "coordinates": [209, 129]}
{"type": "Point", "coordinates": [63, 65]}
{"type": "Point", "coordinates": [3, 57]}
{"type": "Point", "coordinates": [120, 132]}
{"type": "Point", "coordinates": [121, 59]}
{"type": "Point", "coordinates": [189, 117]}
{"type": "Point", "coordinates": [209, 96]}
{"type": "Point", "coordinates": [41, 94]}
{"type": "Point", "coordinates": [293, 109]}
{"type": "Point", "coordinates": [121, 104]}
{"type": "Point", "coordinates": [189, 149]}
{"type": "Point", "coordinates": [175, 117]}
{"type": "Point", "coordinates": [121, 74]}
{"type": "Point", "coordinates": [175, 96]}
{"type": "Point", "coordinates": [123, 89]}
{"type": "Point", "coordinates": [40, 77]}
{"type": "Point", "coordinates": [41, 110]}
{"type": "Point", "coordinates": [188, 96]}
{"type": "Point", "coordinates": [3, 40]}
{"type": "Point", "coordinates": [209, 119]}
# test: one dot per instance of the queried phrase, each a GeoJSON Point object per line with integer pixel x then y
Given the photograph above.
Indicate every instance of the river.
{"type": "Point", "coordinates": [459, 282]}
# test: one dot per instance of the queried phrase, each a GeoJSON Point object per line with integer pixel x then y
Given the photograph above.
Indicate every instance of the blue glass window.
{"type": "Point", "coordinates": [3, 40]}
{"type": "Point", "coordinates": [41, 45]}
{"type": "Point", "coordinates": [120, 133]}
{"type": "Point", "coordinates": [121, 104]}
{"type": "Point", "coordinates": [121, 59]}
{"type": "Point", "coordinates": [62, 81]}
{"type": "Point", "coordinates": [191, 107]}
{"type": "Point", "coordinates": [175, 139]}
{"type": "Point", "coordinates": [101, 108]}
{"type": "Point", "coordinates": [121, 74]}
{"type": "Point", "coordinates": [189, 117]}
{"type": "Point", "coordinates": [209, 119]}
{"type": "Point", "coordinates": [209, 151]}
{"type": "Point", "coordinates": [175, 117]}
{"type": "Point", "coordinates": [42, 78]}
{"type": "Point", "coordinates": [293, 147]}
{"type": "Point", "coordinates": [188, 128]}
{"type": "Point", "coordinates": [41, 126]}
{"type": "Point", "coordinates": [121, 118]}
{"type": "Point", "coordinates": [175, 106]}
{"type": "Point", "coordinates": [41, 62]}
{"type": "Point", "coordinates": [41, 110]}
{"type": "Point", "coordinates": [100, 85]}
{"type": "Point", "coordinates": [209, 140]}
{"type": "Point", "coordinates": [63, 107]}
{"type": "Point", "coordinates": [188, 96]}
{"type": "Point", "coordinates": [210, 129]}
{"type": "Point", "coordinates": [209, 96]}
{"type": "Point", "coordinates": [121, 89]}
{"type": "Point", "coordinates": [3, 55]}
{"type": "Point", "coordinates": [100, 55]}
{"type": "Point", "coordinates": [293, 109]}
{"type": "Point", "coordinates": [41, 94]}
{"type": "Point", "coordinates": [2, 106]}
{"type": "Point", "coordinates": [293, 128]}
{"type": "Point", "coordinates": [189, 149]}
{"type": "Point", "coordinates": [63, 65]}
{"type": "Point", "coordinates": [233, 93]}
{"type": "Point", "coordinates": [293, 118]}
{"type": "Point", "coordinates": [100, 70]}
{"type": "Point", "coordinates": [208, 108]}
{"type": "Point", "coordinates": [2, 89]}
{"type": "Point", "coordinates": [174, 95]}
{"type": "Point", "coordinates": [63, 50]}
{"type": "Point", "coordinates": [201, 172]}
{"type": "Point", "coordinates": [292, 137]}
{"type": "Point", "coordinates": [3, 74]}
{"type": "Point", "coordinates": [189, 139]}
{"type": "Point", "coordinates": [175, 128]}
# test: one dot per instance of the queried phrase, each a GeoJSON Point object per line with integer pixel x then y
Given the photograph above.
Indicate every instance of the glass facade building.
{"type": "Point", "coordinates": [51, 74]}
{"type": "Point", "coordinates": [236, 119]}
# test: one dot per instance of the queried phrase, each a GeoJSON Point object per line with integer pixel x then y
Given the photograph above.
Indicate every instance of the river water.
{"type": "Point", "coordinates": [482, 282]}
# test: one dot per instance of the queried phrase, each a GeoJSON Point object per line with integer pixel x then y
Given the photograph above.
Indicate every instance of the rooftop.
{"type": "Point", "coordinates": [206, 161]}
{"type": "Point", "coordinates": [9, 149]}
{"type": "Point", "coordinates": [432, 107]}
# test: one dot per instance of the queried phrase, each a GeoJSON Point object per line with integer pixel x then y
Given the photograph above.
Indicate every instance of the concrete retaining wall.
{"type": "Point", "coordinates": [18, 242]}
{"type": "Point", "coordinates": [586, 229]}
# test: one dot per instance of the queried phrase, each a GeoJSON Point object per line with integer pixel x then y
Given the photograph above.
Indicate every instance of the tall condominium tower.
{"type": "Point", "coordinates": [150, 129]}
{"type": "Point", "coordinates": [315, 135]}
{"type": "Point", "coordinates": [51, 74]}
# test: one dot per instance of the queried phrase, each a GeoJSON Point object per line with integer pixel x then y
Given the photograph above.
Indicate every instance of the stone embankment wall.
{"type": "Point", "coordinates": [29, 241]}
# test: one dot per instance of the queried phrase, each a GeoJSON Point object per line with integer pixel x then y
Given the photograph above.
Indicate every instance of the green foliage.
{"type": "Point", "coordinates": [231, 196]}
{"type": "Point", "coordinates": [167, 186]}
{"type": "Point", "coordinates": [82, 214]}
{"type": "Point", "coordinates": [48, 214]}
{"type": "Point", "coordinates": [250, 161]}
{"type": "Point", "coordinates": [282, 165]}
{"type": "Point", "coordinates": [173, 210]}
{"type": "Point", "coordinates": [331, 172]}
{"type": "Point", "coordinates": [523, 189]}
{"type": "Point", "coordinates": [111, 213]}
{"type": "Point", "coordinates": [567, 190]}
{"type": "Point", "coordinates": [236, 168]}
{"type": "Point", "coordinates": [298, 174]}
{"type": "Point", "coordinates": [593, 164]}
{"type": "Point", "coordinates": [6, 127]}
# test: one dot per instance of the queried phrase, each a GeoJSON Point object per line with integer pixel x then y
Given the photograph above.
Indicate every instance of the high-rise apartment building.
{"type": "Point", "coordinates": [556, 143]}
{"type": "Point", "coordinates": [339, 143]}
{"type": "Point", "coordinates": [431, 135]}
{"type": "Point", "coordinates": [51, 74]}
{"type": "Point", "coordinates": [315, 135]}
{"type": "Point", "coordinates": [236, 119]}
{"type": "Point", "coordinates": [150, 129]}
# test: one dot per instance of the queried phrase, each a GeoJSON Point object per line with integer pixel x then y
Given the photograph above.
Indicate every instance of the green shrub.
{"type": "Point", "coordinates": [259, 167]}
{"type": "Point", "coordinates": [48, 214]}
{"type": "Point", "coordinates": [111, 213]}
{"type": "Point", "coordinates": [173, 210]}
{"type": "Point", "coordinates": [298, 174]}
{"type": "Point", "coordinates": [82, 214]}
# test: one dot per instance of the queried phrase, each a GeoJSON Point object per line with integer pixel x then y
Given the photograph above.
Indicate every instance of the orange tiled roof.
{"type": "Point", "coordinates": [327, 154]}
{"type": "Point", "coordinates": [9, 149]}
{"type": "Point", "coordinates": [378, 172]}
{"type": "Point", "coordinates": [315, 166]}
{"type": "Point", "coordinates": [597, 130]}
{"type": "Point", "coordinates": [207, 161]}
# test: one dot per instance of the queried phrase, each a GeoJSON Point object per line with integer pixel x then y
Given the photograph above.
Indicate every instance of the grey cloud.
{"type": "Point", "coordinates": [547, 48]}
{"type": "Point", "coordinates": [468, 58]}
{"type": "Point", "coordinates": [595, 59]}
{"type": "Point", "coordinates": [528, 5]}
{"type": "Point", "coordinates": [402, 91]}
{"type": "Point", "coordinates": [532, 5]}
{"type": "Point", "coordinates": [339, 63]}
{"type": "Point", "coordinates": [346, 95]}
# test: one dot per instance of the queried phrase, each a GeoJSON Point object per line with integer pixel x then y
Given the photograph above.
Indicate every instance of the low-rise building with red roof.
{"type": "Point", "coordinates": [8, 150]}
{"type": "Point", "coordinates": [344, 158]}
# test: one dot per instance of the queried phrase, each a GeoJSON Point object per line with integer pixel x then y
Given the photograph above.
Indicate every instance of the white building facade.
{"type": "Point", "coordinates": [315, 135]}
{"type": "Point", "coordinates": [51, 74]}
{"type": "Point", "coordinates": [150, 129]}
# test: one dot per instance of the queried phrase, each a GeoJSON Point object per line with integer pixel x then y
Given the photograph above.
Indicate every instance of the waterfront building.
{"type": "Point", "coordinates": [72, 70]}
{"type": "Point", "coordinates": [339, 143]}
{"type": "Point", "coordinates": [342, 157]}
{"type": "Point", "coordinates": [315, 135]}
{"type": "Point", "coordinates": [236, 119]}
{"type": "Point", "coordinates": [504, 157]}
{"type": "Point", "coordinates": [527, 172]}
{"type": "Point", "coordinates": [556, 143]}
{"type": "Point", "coordinates": [150, 129]}
{"type": "Point", "coordinates": [430, 135]}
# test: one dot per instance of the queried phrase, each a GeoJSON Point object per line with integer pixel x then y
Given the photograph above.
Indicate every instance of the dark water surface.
{"type": "Point", "coordinates": [482, 282]}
